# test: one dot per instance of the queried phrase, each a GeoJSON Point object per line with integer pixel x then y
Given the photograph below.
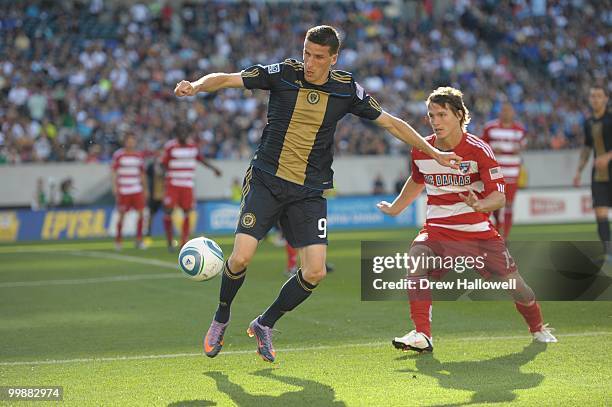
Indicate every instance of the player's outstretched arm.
{"type": "Point", "coordinates": [209, 83]}
{"type": "Point", "coordinates": [494, 201]}
{"type": "Point", "coordinates": [410, 192]}
{"type": "Point", "coordinates": [209, 165]}
{"type": "Point", "coordinates": [407, 134]}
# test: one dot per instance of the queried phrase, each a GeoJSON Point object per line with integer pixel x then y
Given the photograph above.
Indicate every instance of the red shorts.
{"type": "Point", "coordinates": [488, 257]}
{"type": "Point", "coordinates": [510, 193]}
{"type": "Point", "coordinates": [131, 201]}
{"type": "Point", "coordinates": [178, 196]}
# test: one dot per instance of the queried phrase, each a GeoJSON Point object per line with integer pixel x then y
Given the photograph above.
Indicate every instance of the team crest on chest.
{"type": "Point", "coordinates": [464, 167]}
{"type": "Point", "coordinates": [313, 97]}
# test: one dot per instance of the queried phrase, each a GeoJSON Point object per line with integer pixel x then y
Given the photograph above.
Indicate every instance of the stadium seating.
{"type": "Point", "coordinates": [74, 75]}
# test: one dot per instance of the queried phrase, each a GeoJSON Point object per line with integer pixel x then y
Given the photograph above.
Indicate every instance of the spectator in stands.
{"type": "Point", "coordinates": [66, 193]}
{"type": "Point", "coordinates": [236, 190]}
{"type": "Point", "coordinates": [39, 200]}
{"type": "Point", "coordinates": [378, 186]}
{"type": "Point", "coordinates": [72, 78]}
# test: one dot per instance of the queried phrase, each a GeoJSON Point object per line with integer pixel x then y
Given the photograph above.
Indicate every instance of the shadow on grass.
{"type": "Point", "coordinates": [492, 381]}
{"type": "Point", "coordinates": [312, 392]}
{"type": "Point", "coordinates": [192, 403]}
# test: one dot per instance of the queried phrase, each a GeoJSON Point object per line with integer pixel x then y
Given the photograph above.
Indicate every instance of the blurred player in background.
{"type": "Point", "coordinates": [155, 178]}
{"type": "Point", "coordinates": [507, 138]}
{"type": "Point", "coordinates": [290, 170]}
{"type": "Point", "coordinates": [129, 185]}
{"type": "Point", "coordinates": [598, 138]}
{"type": "Point", "coordinates": [179, 161]}
{"type": "Point", "coordinates": [459, 203]}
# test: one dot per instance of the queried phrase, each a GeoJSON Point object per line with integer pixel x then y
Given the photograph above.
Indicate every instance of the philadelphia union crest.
{"type": "Point", "coordinates": [313, 97]}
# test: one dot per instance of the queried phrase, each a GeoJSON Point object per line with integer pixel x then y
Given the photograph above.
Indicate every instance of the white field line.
{"type": "Point", "coordinates": [110, 279]}
{"type": "Point", "coordinates": [125, 258]}
{"type": "Point", "coordinates": [298, 349]}
{"type": "Point", "coordinates": [113, 279]}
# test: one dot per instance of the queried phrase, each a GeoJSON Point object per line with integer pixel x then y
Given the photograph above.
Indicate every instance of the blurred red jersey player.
{"type": "Point", "coordinates": [179, 162]}
{"type": "Point", "coordinates": [507, 138]}
{"type": "Point", "coordinates": [129, 185]}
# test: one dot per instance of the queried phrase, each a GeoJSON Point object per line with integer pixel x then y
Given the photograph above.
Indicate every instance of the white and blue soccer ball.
{"type": "Point", "coordinates": [200, 259]}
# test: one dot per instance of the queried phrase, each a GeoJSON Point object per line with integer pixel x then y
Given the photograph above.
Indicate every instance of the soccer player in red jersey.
{"type": "Point", "coordinates": [458, 205]}
{"type": "Point", "coordinates": [129, 185]}
{"type": "Point", "coordinates": [179, 162]}
{"type": "Point", "coordinates": [507, 138]}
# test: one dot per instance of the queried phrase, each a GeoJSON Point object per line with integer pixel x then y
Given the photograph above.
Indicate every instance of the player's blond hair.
{"type": "Point", "coordinates": [453, 99]}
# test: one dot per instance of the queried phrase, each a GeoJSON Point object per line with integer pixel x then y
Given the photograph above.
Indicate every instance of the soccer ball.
{"type": "Point", "coordinates": [200, 259]}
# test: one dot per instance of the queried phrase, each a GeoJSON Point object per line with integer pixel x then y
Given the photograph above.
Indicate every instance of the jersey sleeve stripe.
{"type": "Point", "coordinates": [486, 150]}
{"type": "Point", "coordinates": [375, 104]}
{"type": "Point", "coordinates": [484, 145]}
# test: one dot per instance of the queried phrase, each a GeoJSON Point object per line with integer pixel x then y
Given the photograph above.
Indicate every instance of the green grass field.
{"type": "Point", "coordinates": [126, 329]}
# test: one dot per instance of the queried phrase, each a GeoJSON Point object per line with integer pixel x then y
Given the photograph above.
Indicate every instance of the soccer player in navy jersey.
{"type": "Point", "coordinates": [291, 168]}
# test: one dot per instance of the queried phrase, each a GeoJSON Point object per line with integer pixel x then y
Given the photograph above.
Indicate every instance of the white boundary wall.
{"type": "Point", "coordinates": [533, 206]}
{"type": "Point", "coordinates": [353, 175]}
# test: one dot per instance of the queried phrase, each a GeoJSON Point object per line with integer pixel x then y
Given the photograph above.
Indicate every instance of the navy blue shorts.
{"type": "Point", "coordinates": [268, 199]}
{"type": "Point", "coordinates": [601, 192]}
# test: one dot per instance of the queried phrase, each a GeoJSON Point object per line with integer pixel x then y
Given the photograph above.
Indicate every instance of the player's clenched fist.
{"type": "Point", "coordinates": [184, 88]}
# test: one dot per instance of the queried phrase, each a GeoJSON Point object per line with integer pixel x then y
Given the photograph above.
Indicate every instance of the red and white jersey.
{"type": "Point", "coordinates": [479, 171]}
{"type": "Point", "coordinates": [180, 162]}
{"type": "Point", "coordinates": [129, 168]}
{"type": "Point", "coordinates": [507, 143]}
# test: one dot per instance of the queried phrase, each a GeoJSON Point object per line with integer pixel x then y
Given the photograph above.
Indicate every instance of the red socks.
{"type": "Point", "coordinates": [139, 229]}
{"type": "Point", "coordinates": [291, 256]}
{"type": "Point", "coordinates": [168, 228]}
{"type": "Point", "coordinates": [420, 306]}
{"type": "Point", "coordinates": [420, 310]}
{"type": "Point", "coordinates": [119, 227]}
{"type": "Point", "coordinates": [532, 315]}
{"type": "Point", "coordinates": [185, 234]}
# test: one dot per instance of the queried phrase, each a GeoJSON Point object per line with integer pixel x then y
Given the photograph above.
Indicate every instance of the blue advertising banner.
{"type": "Point", "coordinates": [362, 213]}
{"type": "Point", "coordinates": [217, 217]}
{"type": "Point", "coordinates": [342, 213]}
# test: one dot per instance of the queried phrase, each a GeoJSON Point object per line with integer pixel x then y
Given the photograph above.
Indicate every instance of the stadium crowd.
{"type": "Point", "coordinates": [74, 76]}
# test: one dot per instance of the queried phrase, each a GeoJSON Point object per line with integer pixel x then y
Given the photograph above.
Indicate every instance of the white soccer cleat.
{"type": "Point", "coordinates": [413, 340]}
{"type": "Point", "coordinates": [544, 335]}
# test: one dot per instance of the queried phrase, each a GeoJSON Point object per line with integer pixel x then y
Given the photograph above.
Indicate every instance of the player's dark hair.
{"type": "Point", "coordinates": [181, 131]}
{"type": "Point", "coordinates": [325, 35]}
{"type": "Point", "coordinates": [453, 99]}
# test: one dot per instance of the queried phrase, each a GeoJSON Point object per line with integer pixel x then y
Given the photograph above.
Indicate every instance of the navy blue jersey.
{"type": "Point", "coordinates": [598, 136]}
{"type": "Point", "coordinates": [298, 141]}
